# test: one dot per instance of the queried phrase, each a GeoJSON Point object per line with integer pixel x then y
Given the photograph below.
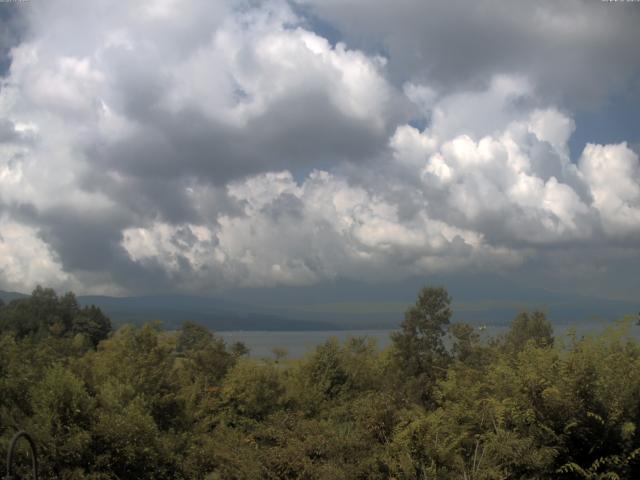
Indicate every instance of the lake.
{"type": "Point", "coordinates": [299, 343]}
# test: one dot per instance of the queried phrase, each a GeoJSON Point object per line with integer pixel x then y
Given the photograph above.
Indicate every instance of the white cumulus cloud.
{"type": "Point", "coordinates": [198, 145]}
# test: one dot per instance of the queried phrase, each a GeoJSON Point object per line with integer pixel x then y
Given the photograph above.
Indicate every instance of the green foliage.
{"type": "Point", "coordinates": [529, 327]}
{"type": "Point", "coordinates": [45, 314]}
{"type": "Point", "coordinates": [419, 347]}
{"type": "Point", "coordinates": [144, 403]}
{"type": "Point", "coordinates": [252, 390]}
{"type": "Point", "coordinates": [193, 337]}
{"type": "Point", "coordinates": [62, 414]}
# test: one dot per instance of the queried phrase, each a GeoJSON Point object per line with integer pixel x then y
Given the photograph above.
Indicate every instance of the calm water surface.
{"type": "Point", "coordinates": [298, 344]}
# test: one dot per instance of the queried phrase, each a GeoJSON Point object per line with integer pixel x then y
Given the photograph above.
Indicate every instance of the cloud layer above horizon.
{"type": "Point", "coordinates": [194, 146]}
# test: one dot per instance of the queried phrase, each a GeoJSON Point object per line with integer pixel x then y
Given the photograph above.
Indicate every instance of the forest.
{"type": "Point", "coordinates": [442, 402]}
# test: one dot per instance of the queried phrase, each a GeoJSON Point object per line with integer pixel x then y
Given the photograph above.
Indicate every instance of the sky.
{"type": "Point", "coordinates": [203, 146]}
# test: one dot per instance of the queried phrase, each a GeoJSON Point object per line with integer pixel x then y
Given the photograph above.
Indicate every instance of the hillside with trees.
{"type": "Point", "coordinates": [441, 402]}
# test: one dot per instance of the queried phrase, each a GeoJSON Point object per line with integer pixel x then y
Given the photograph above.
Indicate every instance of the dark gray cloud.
{"type": "Point", "coordinates": [302, 129]}
{"type": "Point", "coordinates": [577, 52]}
{"type": "Point", "coordinates": [11, 133]}
{"type": "Point", "coordinates": [8, 131]}
{"type": "Point", "coordinates": [13, 28]}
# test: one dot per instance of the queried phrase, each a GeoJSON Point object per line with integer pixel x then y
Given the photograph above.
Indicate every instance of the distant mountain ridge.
{"type": "Point", "coordinates": [481, 299]}
{"type": "Point", "coordinates": [7, 297]}
{"type": "Point", "coordinates": [217, 314]}
{"type": "Point", "coordinates": [289, 309]}
{"type": "Point", "coordinates": [174, 310]}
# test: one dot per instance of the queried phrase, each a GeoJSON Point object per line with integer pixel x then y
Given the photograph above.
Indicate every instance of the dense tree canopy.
{"type": "Point", "coordinates": [441, 402]}
{"type": "Point", "coordinates": [45, 314]}
{"type": "Point", "coordinates": [419, 346]}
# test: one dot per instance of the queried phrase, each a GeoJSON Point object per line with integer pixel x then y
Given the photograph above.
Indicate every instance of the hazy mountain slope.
{"type": "Point", "coordinates": [344, 305]}
{"type": "Point", "coordinates": [8, 296]}
{"type": "Point", "coordinates": [173, 310]}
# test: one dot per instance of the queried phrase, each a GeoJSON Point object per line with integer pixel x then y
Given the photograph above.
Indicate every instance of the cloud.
{"type": "Point", "coordinates": [295, 234]}
{"type": "Point", "coordinates": [441, 201]}
{"type": "Point", "coordinates": [26, 260]}
{"type": "Point", "coordinates": [576, 52]}
{"type": "Point", "coordinates": [613, 173]}
{"type": "Point", "coordinates": [517, 183]}
{"type": "Point", "coordinates": [195, 146]}
{"type": "Point", "coordinates": [136, 109]}
{"type": "Point", "coordinates": [13, 27]}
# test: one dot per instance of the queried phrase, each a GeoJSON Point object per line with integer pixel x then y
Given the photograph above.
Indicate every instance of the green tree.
{"type": "Point", "coordinates": [252, 390]}
{"type": "Point", "coordinates": [466, 342]}
{"type": "Point", "coordinates": [91, 323]}
{"type": "Point", "coordinates": [192, 337]}
{"type": "Point", "coordinates": [62, 421]}
{"type": "Point", "coordinates": [206, 354]}
{"type": "Point", "coordinates": [44, 314]}
{"type": "Point", "coordinates": [529, 327]}
{"type": "Point", "coordinates": [419, 347]}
